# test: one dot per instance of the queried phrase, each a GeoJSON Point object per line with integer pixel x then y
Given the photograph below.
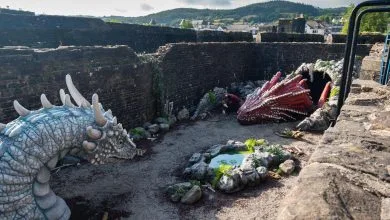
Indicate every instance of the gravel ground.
{"type": "Point", "coordinates": [135, 189]}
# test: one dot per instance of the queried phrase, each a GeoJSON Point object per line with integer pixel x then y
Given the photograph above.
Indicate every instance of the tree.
{"type": "Point", "coordinates": [372, 22]}
{"type": "Point", "coordinates": [186, 24]}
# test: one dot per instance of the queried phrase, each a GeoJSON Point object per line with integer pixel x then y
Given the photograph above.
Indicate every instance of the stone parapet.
{"type": "Point", "coordinates": [348, 176]}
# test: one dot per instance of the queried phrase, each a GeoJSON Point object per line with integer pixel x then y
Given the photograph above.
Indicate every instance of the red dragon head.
{"type": "Point", "coordinates": [283, 101]}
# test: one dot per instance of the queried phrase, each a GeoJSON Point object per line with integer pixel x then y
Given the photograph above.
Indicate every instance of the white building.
{"type": "Point", "coordinates": [317, 27]}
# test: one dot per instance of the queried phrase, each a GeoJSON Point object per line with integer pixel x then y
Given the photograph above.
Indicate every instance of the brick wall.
{"type": "Point", "coordinates": [133, 86]}
{"type": "Point", "coordinates": [362, 39]}
{"type": "Point", "coordinates": [190, 70]}
{"type": "Point", "coordinates": [122, 81]}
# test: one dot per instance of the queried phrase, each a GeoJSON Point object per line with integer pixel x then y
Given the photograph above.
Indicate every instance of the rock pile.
{"type": "Point", "coordinates": [230, 178]}
{"type": "Point", "coordinates": [321, 119]}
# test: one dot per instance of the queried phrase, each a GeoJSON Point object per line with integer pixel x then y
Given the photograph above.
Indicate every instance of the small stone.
{"type": "Point", "coordinates": [287, 167]}
{"type": "Point", "coordinates": [154, 128]}
{"type": "Point", "coordinates": [192, 196]}
{"type": "Point", "coordinates": [177, 191]}
{"type": "Point", "coordinates": [262, 171]}
{"type": "Point", "coordinates": [172, 120]}
{"type": "Point", "coordinates": [249, 163]}
{"type": "Point", "coordinates": [147, 134]}
{"type": "Point", "coordinates": [138, 131]}
{"type": "Point", "coordinates": [215, 150]}
{"type": "Point", "coordinates": [185, 186]}
{"type": "Point", "coordinates": [175, 198]}
{"type": "Point", "coordinates": [388, 169]}
{"type": "Point", "coordinates": [274, 175]}
{"type": "Point", "coordinates": [207, 156]}
{"type": "Point", "coordinates": [146, 125]}
{"type": "Point", "coordinates": [161, 120]}
{"type": "Point", "coordinates": [164, 127]}
{"type": "Point", "coordinates": [252, 177]}
{"type": "Point", "coordinates": [195, 158]}
{"type": "Point", "coordinates": [199, 170]}
{"type": "Point", "coordinates": [137, 137]}
{"type": "Point", "coordinates": [264, 158]}
{"type": "Point", "coordinates": [234, 146]}
{"type": "Point", "coordinates": [385, 211]}
{"type": "Point", "coordinates": [231, 183]}
{"type": "Point", "coordinates": [183, 114]}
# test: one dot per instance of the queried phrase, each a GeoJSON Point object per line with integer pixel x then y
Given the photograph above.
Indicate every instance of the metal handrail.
{"type": "Point", "coordinates": [350, 48]}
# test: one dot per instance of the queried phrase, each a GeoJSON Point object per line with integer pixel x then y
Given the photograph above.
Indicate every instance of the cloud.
{"type": "Point", "coordinates": [120, 10]}
{"type": "Point", "coordinates": [208, 2]}
{"type": "Point", "coordinates": [146, 7]}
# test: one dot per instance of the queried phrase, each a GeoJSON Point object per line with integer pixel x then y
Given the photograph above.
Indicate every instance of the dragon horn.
{"type": "Point", "coordinates": [76, 95]}
{"type": "Point", "coordinates": [68, 102]}
{"type": "Point", "coordinates": [22, 111]}
{"type": "Point", "coordinates": [62, 96]}
{"type": "Point", "coordinates": [99, 117]}
{"type": "Point", "coordinates": [45, 102]}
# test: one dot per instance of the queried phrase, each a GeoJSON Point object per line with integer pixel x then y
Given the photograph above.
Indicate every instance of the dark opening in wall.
{"type": "Point", "coordinates": [316, 83]}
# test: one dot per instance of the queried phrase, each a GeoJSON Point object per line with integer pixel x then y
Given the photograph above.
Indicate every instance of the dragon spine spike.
{"type": "Point", "coordinates": [114, 121]}
{"type": "Point", "coordinates": [94, 133]}
{"type": "Point", "coordinates": [109, 113]}
{"type": "Point", "coordinates": [76, 95]}
{"type": "Point", "coordinates": [22, 111]}
{"type": "Point", "coordinates": [62, 96]}
{"type": "Point", "coordinates": [68, 102]}
{"type": "Point", "coordinates": [45, 102]}
{"type": "Point", "coordinates": [276, 78]}
{"type": "Point", "coordinates": [32, 145]}
{"type": "Point", "coordinates": [276, 101]}
{"type": "Point", "coordinates": [99, 117]}
{"type": "Point", "coordinates": [303, 83]}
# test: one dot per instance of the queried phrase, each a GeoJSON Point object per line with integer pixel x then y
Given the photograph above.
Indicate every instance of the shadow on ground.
{"type": "Point", "coordinates": [135, 189]}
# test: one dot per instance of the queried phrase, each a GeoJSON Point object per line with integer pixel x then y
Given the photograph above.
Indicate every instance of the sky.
{"type": "Point", "coordinates": [140, 7]}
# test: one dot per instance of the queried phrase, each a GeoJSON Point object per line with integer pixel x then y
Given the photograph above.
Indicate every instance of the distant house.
{"type": "Point", "coordinates": [199, 24]}
{"type": "Point", "coordinates": [296, 25]}
{"type": "Point", "coordinates": [317, 27]}
{"type": "Point", "coordinates": [267, 28]}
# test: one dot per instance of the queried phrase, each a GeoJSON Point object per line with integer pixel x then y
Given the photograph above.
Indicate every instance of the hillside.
{"type": "Point", "coordinates": [254, 13]}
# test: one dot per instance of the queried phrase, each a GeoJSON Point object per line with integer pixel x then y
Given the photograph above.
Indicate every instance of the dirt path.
{"type": "Point", "coordinates": [134, 189]}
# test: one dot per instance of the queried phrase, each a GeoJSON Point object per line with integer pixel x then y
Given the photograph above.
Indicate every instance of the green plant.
{"type": "Point", "coordinates": [212, 97]}
{"type": "Point", "coordinates": [251, 143]}
{"type": "Point", "coordinates": [223, 169]}
{"type": "Point", "coordinates": [195, 183]}
{"type": "Point", "coordinates": [277, 151]}
{"type": "Point", "coordinates": [136, 131]}
{"type": "Point", "coordinates": [181, 191]}
{"type": "Point", "coordinates": [334, 92]}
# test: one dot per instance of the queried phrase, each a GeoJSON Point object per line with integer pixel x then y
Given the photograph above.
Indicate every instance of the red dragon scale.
{"type": "Point", "coordinates": [284, 101]}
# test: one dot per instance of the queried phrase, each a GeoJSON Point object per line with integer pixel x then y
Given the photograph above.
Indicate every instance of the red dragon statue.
{"type": "Point", "coordinates": [281, 101]}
